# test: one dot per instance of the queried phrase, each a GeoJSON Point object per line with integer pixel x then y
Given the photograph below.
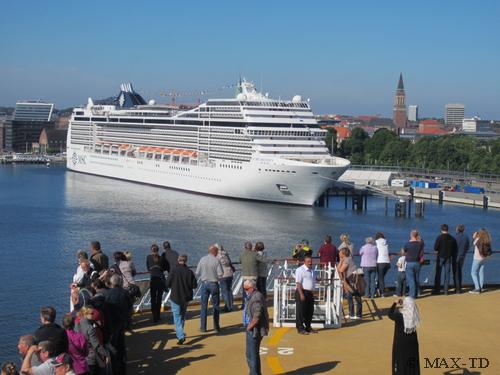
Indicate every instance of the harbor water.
{"type": "Point", "coordinates": [48, 213]}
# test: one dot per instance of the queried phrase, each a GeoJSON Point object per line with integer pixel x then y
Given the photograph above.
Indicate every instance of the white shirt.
{"type": "Point", "coordinates": [401, 264]}
{"type": "Point", "coordinates": [306, 277]}
{"type": "Point", "coordinates": [383, 251]}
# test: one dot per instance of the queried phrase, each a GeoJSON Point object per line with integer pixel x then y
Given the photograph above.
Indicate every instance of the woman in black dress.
{"type": "Point", "coordinates": [405, 358]}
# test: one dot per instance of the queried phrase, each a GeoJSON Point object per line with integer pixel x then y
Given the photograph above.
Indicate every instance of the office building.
{"type": "Point", "coordinates": [26, 125]}
{"type": "Point", "coordinates": [475, 124]}
{"type": "Point", "coordinates": [454, 114]}
{"type": "Point", "coordinates": [413, 113]}
{"type": "Point", "coordinates": [33, 111]}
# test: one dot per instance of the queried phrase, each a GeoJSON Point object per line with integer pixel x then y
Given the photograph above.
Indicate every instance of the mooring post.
{"type": "Point", "coordinates": [485, 202]}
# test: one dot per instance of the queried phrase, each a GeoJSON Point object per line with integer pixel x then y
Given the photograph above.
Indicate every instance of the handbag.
{"type": "Point", "coordinates": [360, 284]}
{"type": "Point", "coordinates": [347, 287]}
{"type": "Point", "coordinates": [134, 291]}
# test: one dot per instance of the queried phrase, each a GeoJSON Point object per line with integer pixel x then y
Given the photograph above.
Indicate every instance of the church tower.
{"type": "Point", "coordinates": [399, 112]}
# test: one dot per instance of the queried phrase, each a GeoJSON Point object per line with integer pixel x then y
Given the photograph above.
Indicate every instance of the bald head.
{"type": "Point", "coordinates": [414, 234]}
{"type": "Point", "coordinates": [24, 343]}
{"type": "Point", "coordinates": [213, 249]}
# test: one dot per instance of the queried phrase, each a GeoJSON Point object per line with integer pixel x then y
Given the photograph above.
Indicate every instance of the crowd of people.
{"type": "Point", "coordinates": [91, 337]}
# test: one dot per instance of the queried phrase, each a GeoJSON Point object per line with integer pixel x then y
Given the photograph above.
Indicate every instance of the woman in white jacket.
{"type": "Point", "coordinates": [383, 262]}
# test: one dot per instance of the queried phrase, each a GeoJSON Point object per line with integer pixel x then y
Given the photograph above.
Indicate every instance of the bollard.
{"type": "Point", "coordinates": [441, 197]}
{"type": "Point", "coordinates": [357, 202]}
{"type": "Point", "coordinates": [485, 202]}
{"type": "Point", "coordinates": [412, 192]}
{"type": "Point", "coordinates": [400, 208]}
{"type": "Point", "coordinates": [419, 208]}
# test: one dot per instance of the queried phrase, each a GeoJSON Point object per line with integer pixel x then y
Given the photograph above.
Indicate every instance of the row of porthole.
{"type": "Point", "coordinates": [178, 168]}
{"type": "Point", "coordinates": [274, 170]}
{"type": "Point", "coordinates": [231, 166]}
{"type": "Point", "coordinates": [103, 157]}
{"type": "Point", "coordinates": [184, 175]}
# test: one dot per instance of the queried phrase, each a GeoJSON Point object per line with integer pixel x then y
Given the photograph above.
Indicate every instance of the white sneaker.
{"type": "Point", "coordinates": [475, 291]}
{"type": "Point", "coordinates": [347, 317]}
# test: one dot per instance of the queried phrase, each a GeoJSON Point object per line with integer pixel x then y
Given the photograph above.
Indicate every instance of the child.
{"type": "Point", "coordinates": [401, 282]}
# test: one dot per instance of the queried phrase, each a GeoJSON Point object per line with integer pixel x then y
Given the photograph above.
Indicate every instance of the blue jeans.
{"type": "Point", "coordinates": [369, 274]}
{"type": "Point", "coordinates": [226, 289]}
{"type": "Point", "coordinates": [179, 313]}
{"type": "Point", "coordinates": [442, 263]}
{"type": "Point", "coordinates": [252, 352]}
{"type": "Point", "coordinates": [412, 269]}
{"type": "Point", "coordinates": [351, 298]}
{"type": "Point", "coordinates": [401, 284]}
{"type": "Point", "coordinates": [209, 289]}
{"type": "Point", "coordinates": [477, 273]}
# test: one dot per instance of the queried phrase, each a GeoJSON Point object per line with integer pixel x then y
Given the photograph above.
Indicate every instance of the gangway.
{"type": "Point", "coordinates": [327, 297]}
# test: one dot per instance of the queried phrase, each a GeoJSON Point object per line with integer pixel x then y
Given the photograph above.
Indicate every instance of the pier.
{"type": "Point", "coordinates": [31, 159]}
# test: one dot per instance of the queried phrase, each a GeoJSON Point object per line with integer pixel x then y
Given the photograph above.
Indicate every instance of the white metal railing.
{"type": "Point", "coordinates": [281, 282]}
{"type": "Point", "coordinates": [144, 302]}
{"type": "Point", "coordinates": [327, 300]}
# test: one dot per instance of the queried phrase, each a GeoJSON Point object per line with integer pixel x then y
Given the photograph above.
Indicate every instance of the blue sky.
{"type": "Point", "coordinates": [344, 56]}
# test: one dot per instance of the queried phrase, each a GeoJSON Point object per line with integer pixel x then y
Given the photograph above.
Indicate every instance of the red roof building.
{"type": "Point", "coordinates": [431, 127]}
{"type": "Point", "coordinates": [342, 133]}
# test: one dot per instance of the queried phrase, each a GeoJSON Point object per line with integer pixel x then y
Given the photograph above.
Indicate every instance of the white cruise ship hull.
{"type": "Point", "coordinates": [276, 181]}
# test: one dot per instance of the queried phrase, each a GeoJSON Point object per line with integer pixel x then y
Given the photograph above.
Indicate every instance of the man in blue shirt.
{"type": "Point", "coordinates": [463, 245]}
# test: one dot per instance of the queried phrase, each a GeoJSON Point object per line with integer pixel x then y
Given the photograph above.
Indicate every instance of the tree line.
{"type": "Point", "coordinates": [454, 152]}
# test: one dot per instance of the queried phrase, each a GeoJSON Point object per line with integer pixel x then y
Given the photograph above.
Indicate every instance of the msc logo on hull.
{"type": "Point", "coordinates": [78, 159]}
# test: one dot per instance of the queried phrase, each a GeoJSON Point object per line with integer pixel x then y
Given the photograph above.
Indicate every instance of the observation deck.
{"type": "Point", "coordinates": [458, 335]}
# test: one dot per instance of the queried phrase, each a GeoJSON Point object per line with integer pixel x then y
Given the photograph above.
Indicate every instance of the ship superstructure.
{"type": "Point", "coordinates": [249, 147]}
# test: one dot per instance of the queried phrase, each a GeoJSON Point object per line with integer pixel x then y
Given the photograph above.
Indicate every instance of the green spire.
{"type": "Point", "coordinates": [400, 83]}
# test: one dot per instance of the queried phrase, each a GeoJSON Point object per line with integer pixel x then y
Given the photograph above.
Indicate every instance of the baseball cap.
{"type": "Point", "coordinates": [62, 359]}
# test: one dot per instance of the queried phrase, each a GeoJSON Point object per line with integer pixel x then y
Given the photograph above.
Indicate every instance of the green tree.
{"type": "Point", "coordinates": [375, 145]}
{"type": "Point", "coordinates": [395, 152]}
{"type": "Point", "coordinates": [331, 140]}
{"type": "Point", "coordinates": [353, 147]}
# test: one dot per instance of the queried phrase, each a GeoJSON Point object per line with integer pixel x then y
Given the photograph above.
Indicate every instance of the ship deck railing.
{"type": "Point", "coordinates": [281, 279]}
{"type": "Point", "coordinates": [280, 283]}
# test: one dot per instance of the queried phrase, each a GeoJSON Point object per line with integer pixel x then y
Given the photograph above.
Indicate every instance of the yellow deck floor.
{"type": "Point", "coordinates": [465, 326]}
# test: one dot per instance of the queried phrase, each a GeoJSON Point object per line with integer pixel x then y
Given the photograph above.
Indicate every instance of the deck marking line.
{"type": "Point", "coordinates": [156, 345]}
{"type": "Point", "coordinates": [275, 365]}
{"type": "Point", "coordinates": [273, 361]}
{"type": "Point", "coordinates": [277, 336]}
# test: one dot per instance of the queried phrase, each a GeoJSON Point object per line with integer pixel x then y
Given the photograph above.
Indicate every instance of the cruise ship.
{"type": "Point", "coordinates": [248, 147]}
